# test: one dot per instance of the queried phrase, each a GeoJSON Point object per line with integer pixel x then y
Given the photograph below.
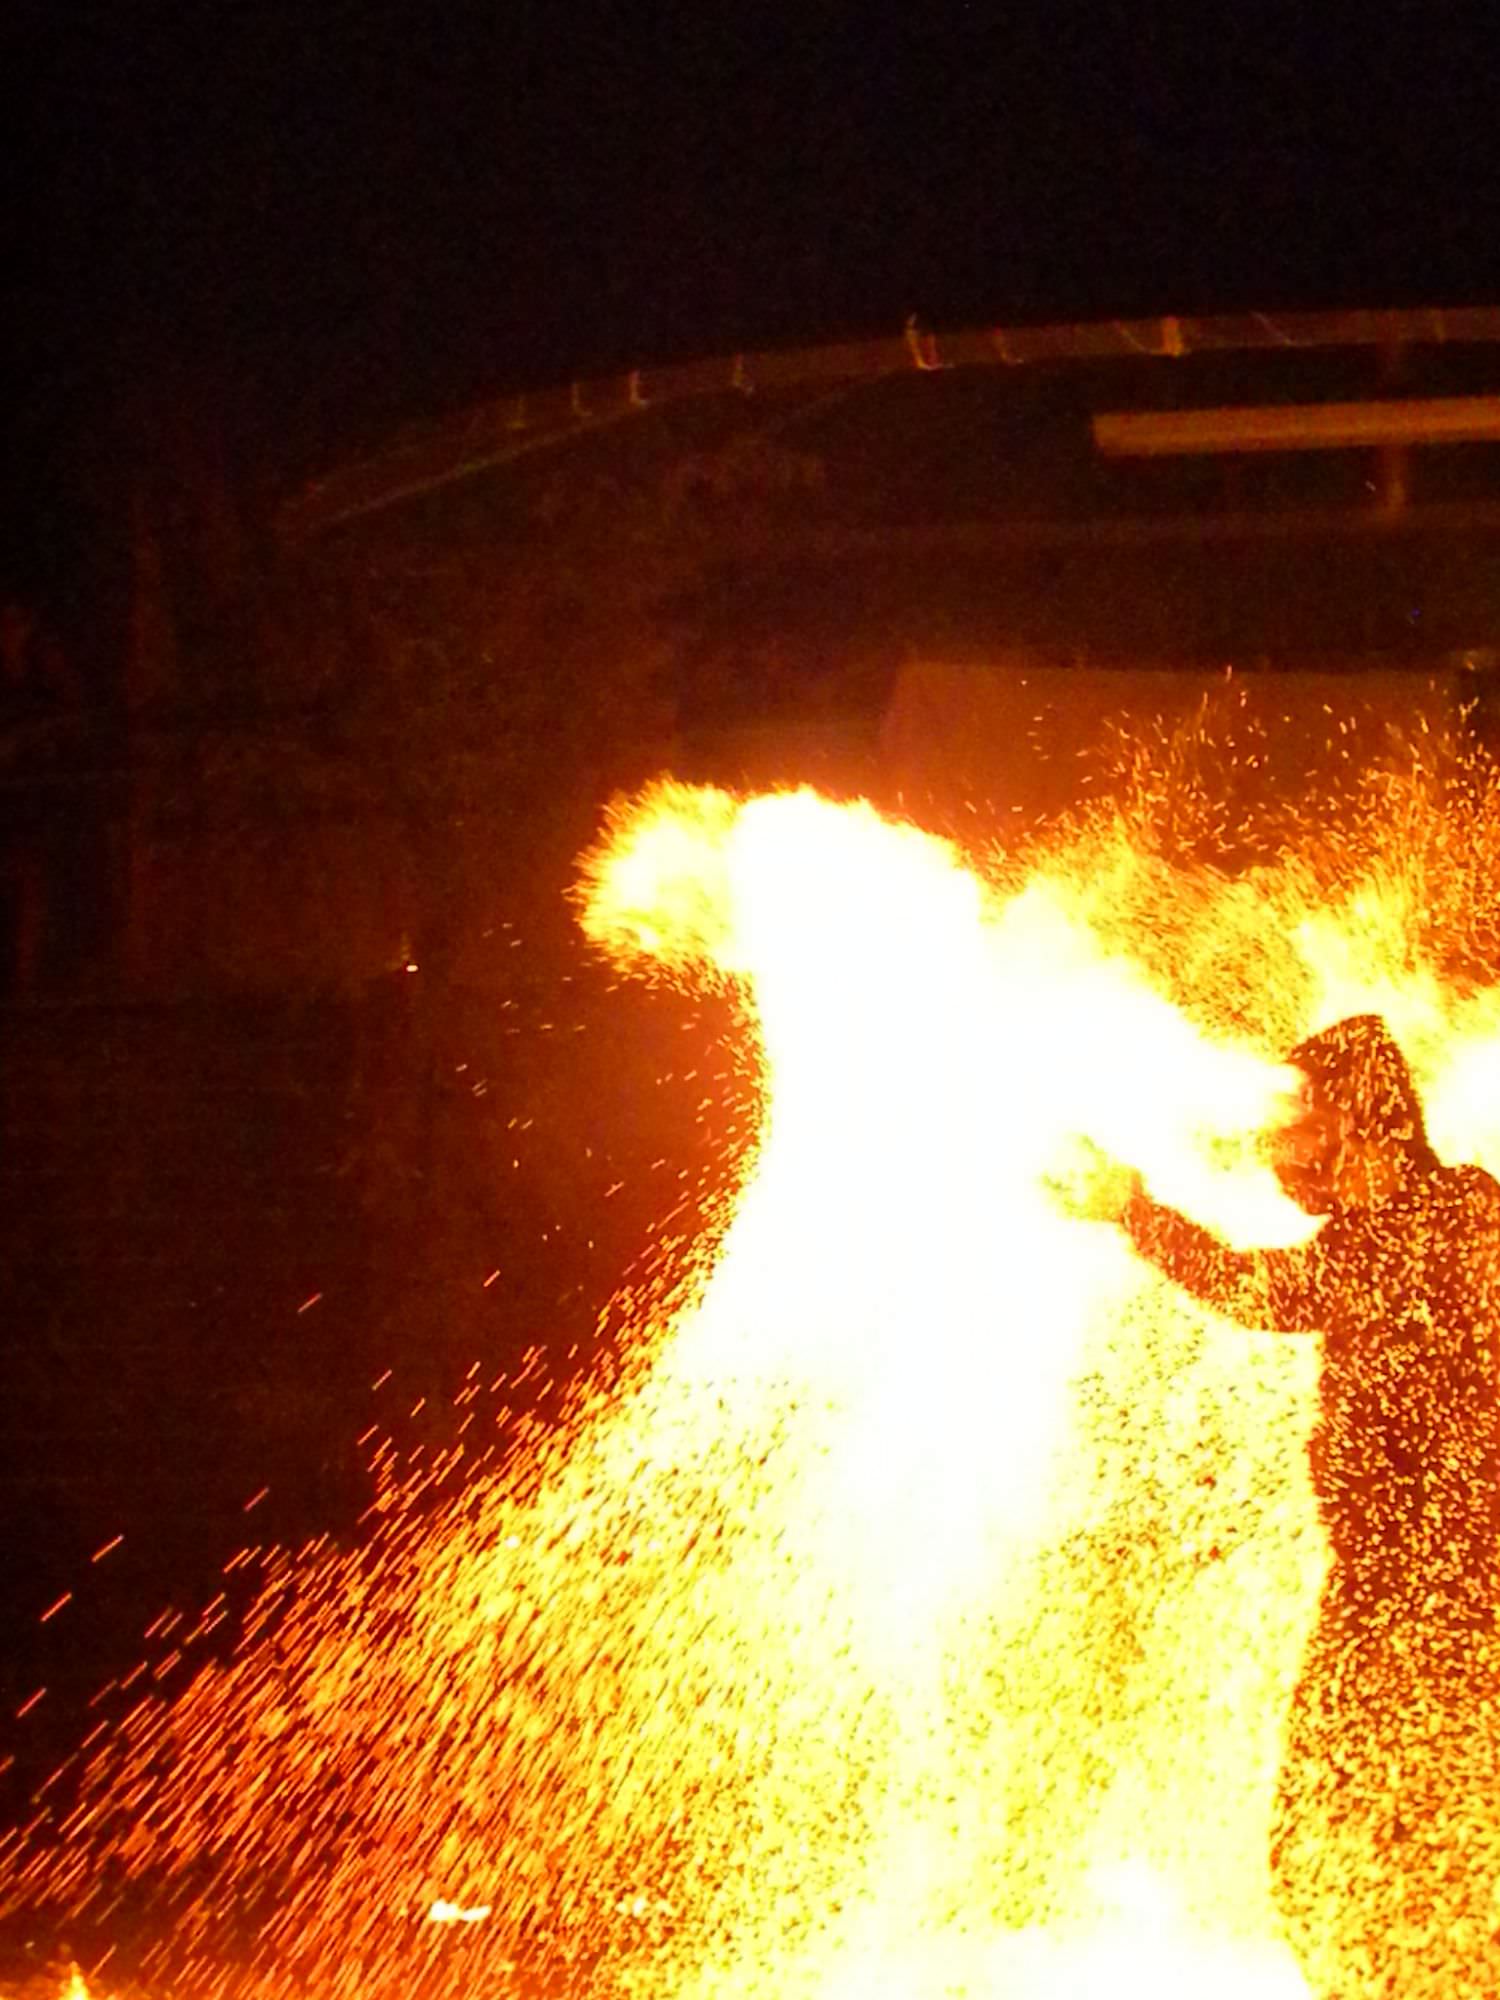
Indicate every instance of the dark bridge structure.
{"type": "Point", "coordinates": [1427, 379]}
{"type": "Point", "coordinates": [1283, 489]}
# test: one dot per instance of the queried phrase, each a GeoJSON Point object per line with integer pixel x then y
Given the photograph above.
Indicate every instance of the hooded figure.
{"type": "Point", "coordinates": [1386, 1843]}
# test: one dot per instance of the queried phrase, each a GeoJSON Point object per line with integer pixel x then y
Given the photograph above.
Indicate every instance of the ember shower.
{"type": "Point", "coordinates": [917, 1612]}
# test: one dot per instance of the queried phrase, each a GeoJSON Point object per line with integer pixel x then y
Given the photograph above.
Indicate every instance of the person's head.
{"type": "Point", "coordinates": [1357, 1134]}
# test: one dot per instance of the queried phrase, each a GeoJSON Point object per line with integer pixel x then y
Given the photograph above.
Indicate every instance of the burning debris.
{"type": "Point", "coordinates": [920, 1610]}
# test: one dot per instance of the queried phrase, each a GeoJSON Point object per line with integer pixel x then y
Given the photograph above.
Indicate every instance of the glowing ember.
{"type": "Point", "coordinates": [920, 1612]}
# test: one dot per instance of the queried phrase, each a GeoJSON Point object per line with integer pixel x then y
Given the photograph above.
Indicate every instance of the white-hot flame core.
{"type": "Point", "coordinates": [902, 1285]}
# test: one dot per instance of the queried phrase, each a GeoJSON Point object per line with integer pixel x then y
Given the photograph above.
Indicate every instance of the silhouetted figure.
{"type": "Point", "coordinates": [1386, 1845]}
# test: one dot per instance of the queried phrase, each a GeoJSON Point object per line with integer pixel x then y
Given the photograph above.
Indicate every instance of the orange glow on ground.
{"type": "Point", "coordinates": [918, 1614]}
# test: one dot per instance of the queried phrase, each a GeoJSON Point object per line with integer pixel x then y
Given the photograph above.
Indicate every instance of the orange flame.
{"type": "Point", "coordinates": [919, 1613]}
{"type": "Point", "coordinates": [900, 1285]}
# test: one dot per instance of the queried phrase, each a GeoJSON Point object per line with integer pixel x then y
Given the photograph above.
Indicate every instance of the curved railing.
{"type": "Point", "coordinates": [496, 432]}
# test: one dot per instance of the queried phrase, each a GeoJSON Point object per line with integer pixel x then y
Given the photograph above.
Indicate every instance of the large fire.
{"type": "Point", "coordinates": [917, 1612]}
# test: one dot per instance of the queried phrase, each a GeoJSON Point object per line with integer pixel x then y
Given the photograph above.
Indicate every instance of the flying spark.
{"type": "Point", "coordinates": [917, 1610]}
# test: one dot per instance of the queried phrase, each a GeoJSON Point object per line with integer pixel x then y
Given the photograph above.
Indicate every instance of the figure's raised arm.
{"type": "Point", "coordinates": [1273, 1291]}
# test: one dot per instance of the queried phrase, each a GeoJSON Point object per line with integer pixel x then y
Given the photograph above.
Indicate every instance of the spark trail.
{"type": "Point", "coordinates": [917, 1613]}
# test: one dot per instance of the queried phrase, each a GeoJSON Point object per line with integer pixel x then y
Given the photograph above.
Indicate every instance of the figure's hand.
{"type": "Point", "coordinates": [1090, 1186]}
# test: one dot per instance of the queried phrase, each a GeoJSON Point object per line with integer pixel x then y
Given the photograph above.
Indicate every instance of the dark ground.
{"type": "Point", "coordinates": [224, 1221]}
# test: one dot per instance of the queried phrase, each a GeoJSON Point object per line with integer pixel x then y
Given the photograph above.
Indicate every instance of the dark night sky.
{"type": "Point", "coordinates": [341, 215]}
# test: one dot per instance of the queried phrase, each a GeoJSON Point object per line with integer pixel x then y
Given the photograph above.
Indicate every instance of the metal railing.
{"type": "Point", "coordinates": [502, 430]}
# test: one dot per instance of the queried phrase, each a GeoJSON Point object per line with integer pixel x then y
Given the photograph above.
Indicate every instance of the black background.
{"type": "Point", "coordinates": [341, 216]}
